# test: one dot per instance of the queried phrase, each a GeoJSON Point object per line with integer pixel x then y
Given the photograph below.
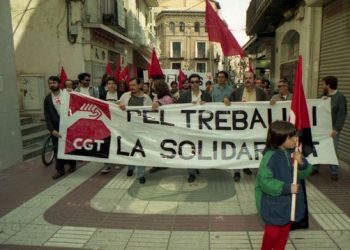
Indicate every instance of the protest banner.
{"type": "Point", "coordinates": [182, 135]}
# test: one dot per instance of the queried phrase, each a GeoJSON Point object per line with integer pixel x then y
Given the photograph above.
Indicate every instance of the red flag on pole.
{"type": "Point", "coordinates": [108, 69]}
{"type": "Point", "coordinates": [124, 75]}
{"type": "Point", "coordinates": [117, 72]}
{"type": "Point", "coordinates": [181, 77]}
{"type": "Point", "coordinates": [299, 115]}
{"type": "Point", "coordinates": [219, 32]}
{"type": "Point", "coordinates": [155, 70]}
{"type": "Point", "coordinates": [251, 67]}
{"type": "Point", "coordinates": [63, 77]}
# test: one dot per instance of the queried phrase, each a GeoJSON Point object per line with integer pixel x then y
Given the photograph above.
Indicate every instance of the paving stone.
{"type": "Point", "coordinates": [7, 230]}
{"type": "Point", "coordinates": [161, 207]}
{"type": "Point", "coordinates": [109, 239]}
{"type": "Point", "coordinates": [23, 215]}
{"type": "Point", "coordinates": [148, 239]}
{"type": "Point", "coordinates": [229, 240]}
{"type": "Point", "coordinates": [341, 238]}
{"type": "Point", "coordinates": [195, 208]}
{"type": "Point", "coordinates": [189, 240]}
{"type": "Point", "coordinates": [224, 208]}
{"type": "Point", "coordinates": [135, 206]}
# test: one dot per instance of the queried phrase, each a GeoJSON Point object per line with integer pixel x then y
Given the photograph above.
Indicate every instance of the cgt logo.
{"type": "Point", "coordinates": [88, 136]}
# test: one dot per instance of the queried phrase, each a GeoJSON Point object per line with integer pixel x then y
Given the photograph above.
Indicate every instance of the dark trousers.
{"type": "Point", "coordinates": [60, 162]}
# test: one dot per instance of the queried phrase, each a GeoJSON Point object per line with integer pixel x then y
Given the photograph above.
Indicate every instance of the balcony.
{"type": "Point", "coordinates": [265, 15]}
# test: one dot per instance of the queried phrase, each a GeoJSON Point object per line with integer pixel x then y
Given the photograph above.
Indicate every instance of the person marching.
{"type": "Point", "coordinates": [274, 184]}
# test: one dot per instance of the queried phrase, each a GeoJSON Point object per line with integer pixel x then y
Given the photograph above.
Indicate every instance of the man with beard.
{"type": "Point", "coordinates": [339, 112]}
{"type": "Point", "coordinates": [52, 105]}
{"type": "Point", "coordinates": [135, 97]}
{"type": "Point", "coordinates": [248, 93]}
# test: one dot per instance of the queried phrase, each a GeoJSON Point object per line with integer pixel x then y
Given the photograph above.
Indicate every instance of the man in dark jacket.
{"type": "Point", "coordinates": [248, 93]}
{"type": "Point", "coordinates": [195, 96]}
{"type": "Point", "coordinates": [52, 105]}
{"type": "Point", "coordinates": [339, 112]}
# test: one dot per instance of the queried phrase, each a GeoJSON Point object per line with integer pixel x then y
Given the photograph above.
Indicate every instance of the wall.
{"type": "Point", "coordinates": [309, 29]}
{"type": "Point", "coordinates": [40, 40]}
{"type": "Point", "coordinates": [10, 143]}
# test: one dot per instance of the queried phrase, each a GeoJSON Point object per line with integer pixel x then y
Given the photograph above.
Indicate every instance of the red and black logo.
{"type": "Point", "coordinates": [88, 136]}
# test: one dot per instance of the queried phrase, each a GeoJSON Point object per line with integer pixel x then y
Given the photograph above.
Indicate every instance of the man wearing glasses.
{"type": "Point", "coordinates": [283, 92]}
{"type": "Point", "coordinates": [195, 96]}
{"type": "Point", "coordinates": [84, 86]}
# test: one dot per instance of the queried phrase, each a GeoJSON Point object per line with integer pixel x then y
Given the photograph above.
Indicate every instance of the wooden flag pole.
{"type": "Point", "coordinates": [295, 181]}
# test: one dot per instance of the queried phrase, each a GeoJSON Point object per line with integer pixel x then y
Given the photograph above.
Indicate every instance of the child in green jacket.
{"type": "Point", "coordinates": [274, 184]}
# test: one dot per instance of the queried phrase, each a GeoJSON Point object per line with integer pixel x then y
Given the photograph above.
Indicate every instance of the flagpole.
{"type": "Point", "coordinates": [295, 179]}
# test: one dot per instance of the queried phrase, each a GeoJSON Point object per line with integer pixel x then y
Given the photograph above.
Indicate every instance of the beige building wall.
{"type": "Point", "coordinates": [306, 19]}
{"type": "Point", "coordinates": [41, 47]}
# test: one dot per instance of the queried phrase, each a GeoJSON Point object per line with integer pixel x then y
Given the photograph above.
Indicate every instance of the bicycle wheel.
{"type": "Point", "coordinates": [47, 155]}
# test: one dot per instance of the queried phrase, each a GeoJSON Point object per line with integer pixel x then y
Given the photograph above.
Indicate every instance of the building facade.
{"type": "Point", "coordinates": [316, 29]}
{"type": "Point", "coordinates": [183, 37]}
{"type": "Point", "coordinates": [81, 36]}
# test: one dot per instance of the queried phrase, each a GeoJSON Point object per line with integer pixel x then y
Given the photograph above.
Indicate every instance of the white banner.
{"type": "Point", "coordinates": [181, 135]}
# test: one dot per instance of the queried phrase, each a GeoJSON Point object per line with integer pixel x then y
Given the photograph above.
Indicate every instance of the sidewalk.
{"type": "Point", "coordinates": [86, 210]}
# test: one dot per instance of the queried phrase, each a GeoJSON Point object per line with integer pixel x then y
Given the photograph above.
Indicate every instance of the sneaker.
{"type": "Point", "coordinates": [315, 172]}
{"type": "Point", "coordinates": [237, 177]}
{"type": "Point", "coordinates": [191, 178]}
{"type": "Point", "coordinates": [130, 173]}
{"type": "Point", "coordinates": [106, 170]}
{"type": "Point", "coordinates": [247, 171]}
{"type": "Point", "coordinates": [57, 175]}
{"type": "Point", "coordinates": [334, 177]}
{"type": "Point", "coordinates": [142, 180]}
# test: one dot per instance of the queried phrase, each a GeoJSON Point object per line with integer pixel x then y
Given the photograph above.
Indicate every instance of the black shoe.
{"type": "Point", "coordinates": [155, 169]}
{"type": "Point", "coordinates": [191, 178]}
{"type": "Point", "coordinates": [315, 172]}
{"type": "Point", "coordinates": [72, 169]}
{"type": "Point", "coordinates": [237, 177]}
{"type": "Point", "coordinates": [334, 177]}
{"type": "Point", "coordinates": [197, 171]}
{"type": "Point", "coordinates": [106, 170]}
{"type": "Point", "coordinates": [142, 180]}
{"type": "Point", "coordinates": [247, 171]}
{"type": "Point", "coordinates": [130, 173]}
{"type": "Point", "coordinates": [57, 175]}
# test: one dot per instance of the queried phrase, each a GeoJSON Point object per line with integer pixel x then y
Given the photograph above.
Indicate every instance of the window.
{"type": "Point", "coordinates": [290, 46]}
{"type": "Point", "coordinates": [175, 50]}
{"type": "Point", "coordinates": [172, 27]}
{"type": "Point", "coordinates": [201, 67]}
{"type": "Point", "coordinates": [197, 27]}
{"type": "Point", "coordinates": [182, 27]}
{"type": "Point", "coordinates": [201, 50]}
{"type": "Point", "coordinates": [176, 66]}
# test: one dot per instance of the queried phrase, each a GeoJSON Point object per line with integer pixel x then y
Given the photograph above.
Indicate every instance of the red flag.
{"type": "Point", "coordinates": [117, 72]}
{"type": "Point", "coordinates": [181, 77]}
{"type": "Point", "coordinates": [155, 71]}
{"type": "Point", "coordinates": [134, 70]}
{"type": "Point", "coordinates": [63, 77]}
{"type": "Point", "coordinates": [219, 32]}
{"type": "Point", "coordinates": [124, 75]}
{"type": "Point", "coordinates": [299, 114]}
{"type": "Point", "coordinates": [108, 69]}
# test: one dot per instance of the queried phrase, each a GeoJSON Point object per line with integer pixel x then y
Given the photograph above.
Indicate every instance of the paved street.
{"type": "Point", "coordinates": [86, 210]}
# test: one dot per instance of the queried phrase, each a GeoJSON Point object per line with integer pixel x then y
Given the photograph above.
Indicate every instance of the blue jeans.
{"type": "Point", "coordinates": [139, 169]}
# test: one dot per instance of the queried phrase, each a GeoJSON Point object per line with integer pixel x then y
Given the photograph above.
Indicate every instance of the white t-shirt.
{"type": "Point", "coordinates": [196, 99]}
{"type": "Point", "coordinates": [112, 97]}
{"type": "Point", "coordinates": [85, 91]}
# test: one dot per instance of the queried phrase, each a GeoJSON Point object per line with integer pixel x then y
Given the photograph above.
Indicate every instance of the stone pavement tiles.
{"type": "Point", "coordinates": [86, 210]}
